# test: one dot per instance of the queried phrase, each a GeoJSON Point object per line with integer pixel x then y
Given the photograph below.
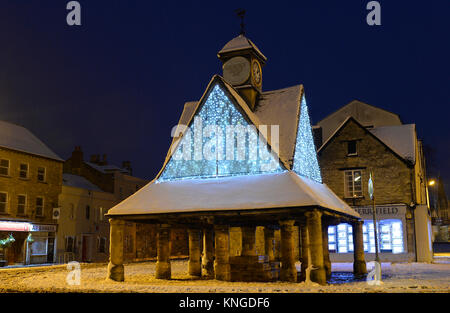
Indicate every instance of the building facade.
{"type": "Point", "coordinates": [83, 230]}
{"type": "Point", "coordinates": [30, 182]}
{"type": "Point", "coordinates": [349, 152]}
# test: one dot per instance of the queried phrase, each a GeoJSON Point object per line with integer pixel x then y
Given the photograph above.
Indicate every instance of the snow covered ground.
{"type": "Point", "coordinates": [139, 277]}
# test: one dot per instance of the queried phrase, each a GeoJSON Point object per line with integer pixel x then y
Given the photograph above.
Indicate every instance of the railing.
{"type": "Point", "coordinates": [66, 257]}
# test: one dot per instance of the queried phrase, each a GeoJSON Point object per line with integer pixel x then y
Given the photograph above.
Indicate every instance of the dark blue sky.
{"type": "Point", "coordinates": [117, 84]}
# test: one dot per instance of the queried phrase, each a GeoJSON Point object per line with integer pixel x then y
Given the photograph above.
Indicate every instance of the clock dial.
{"type": "Point", "coordinates": [256, 73]}
{"type": "Point", "coordinates": [236, 71]}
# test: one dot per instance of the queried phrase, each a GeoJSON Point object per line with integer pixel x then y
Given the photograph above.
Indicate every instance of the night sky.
{"type": "Point", "coordinates": [116, 85]}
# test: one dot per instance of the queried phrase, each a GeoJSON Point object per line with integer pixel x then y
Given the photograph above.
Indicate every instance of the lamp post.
{"type": "Point", "coordinates": [370, 187]}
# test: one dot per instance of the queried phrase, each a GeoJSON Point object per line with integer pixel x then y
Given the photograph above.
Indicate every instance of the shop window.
{"type": "Point", "coordinates": [21, 204]}
{"type": "Point", "coordinates": [23, 170]}
{"type": "Point", "coordinates": [340, 238]}
{"type": "Point", "coordinates": [41, 174]}
{"type": "Point", "coordinates": [39, 246]}
{"type": "Point", "coordinates": [390, 236]}
{"type": "Point", "coordinates": [39, 206]}
{"type": "Point", "coordinates": [353, 184]}
{"type": "Point", "coordinates": [3, 202]}
{"type": "Point", "coordinates": [351, 148]}
{"type": "Point", "coordinates": [4, 167]}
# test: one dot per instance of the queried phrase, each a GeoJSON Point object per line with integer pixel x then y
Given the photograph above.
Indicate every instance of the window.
{"type": "Point", "coordinates": [41, 174]}
{"type": "Point", "coordinates": [390, 236]}
{"type": "Point", "coordinates": [340, 238]}
{"type": "Point", "coordinates": [4, 167]}
{"type": "Point", "coordinates": [21, 204]}
{"type": "Point", "coordinates": [23, 170]}
{"type": "Point", "coordinates": [70, 243]}
{"type": "Point", "coordinates": [39, 206]}
{"type": "Point", "coordinates": [3, 202]}
{"type": "Point", "coordinates": [88, 212]}
{"type": "Point", "coordinates": [351, 148]}
{"type": "Point", "coordinates": [102, 245]}
{"type": "Point", "coordinates": [353, 184]}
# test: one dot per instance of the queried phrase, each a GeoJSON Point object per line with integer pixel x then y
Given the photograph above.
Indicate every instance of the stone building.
{"type": "Point", "coordinates": [360, 139]}
{"type": "Point", "coordinates": [83, 230]}
{"type": "Point", "coordinates": [30, 182]}
{"type": "Point", "coordinates": [140, 240]}
{"type": "Point", "coordinates": [241, 158]}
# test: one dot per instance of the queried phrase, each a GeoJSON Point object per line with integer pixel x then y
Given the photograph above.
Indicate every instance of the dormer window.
{"type": "Point", "coordinates": [352, 148]}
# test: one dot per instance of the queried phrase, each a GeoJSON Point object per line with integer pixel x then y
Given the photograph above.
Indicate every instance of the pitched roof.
{"type": "Point", "coordinates": [240, 43]}
{"type": "Point", "coordinates": [400, 139]}
{"type": "Point", "coordinates": [108, 168]}
{"type": "Point", "coordinates": [277, 107]}
{"type": "Point", "coordinates": [19, 138]}
{"type": "Point", "coordinates": [262, 191]}
{"type": "Point", "coordinates": [79, 182]}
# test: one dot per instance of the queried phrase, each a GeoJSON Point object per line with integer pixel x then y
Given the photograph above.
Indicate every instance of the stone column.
{"type": "Point", "coordinates": [194, 265]}
{"type": "Point", "coordinates": [305, 251]}
{"type": "Point", "coordinates": [269, 243]}
{"type": "Point", "coordinates": [208, 253]}
{"type": "Point", "coordinates": [222, 260]}
{"type": "Point", "coordinates": [359, 263]}
{"type": "Point", "coordinates": [163, 270]}
{"type": "Point", "coordinates": [116, 236]}
{"type": "Point", "coordinates": [314, 224]}
{"type": "Point", "coordinates": [248, 240]}
{"type": "Point", "coordinates": [326, 252]}
{"type": "Point", "coordinates": [288, 271]}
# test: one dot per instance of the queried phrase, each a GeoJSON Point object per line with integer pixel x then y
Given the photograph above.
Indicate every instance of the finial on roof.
{"type": "Point", "coordinates": [241, 14]}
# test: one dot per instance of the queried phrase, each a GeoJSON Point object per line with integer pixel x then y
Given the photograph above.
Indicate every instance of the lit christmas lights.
{"type": "Point", "coordinates": [305, 157]}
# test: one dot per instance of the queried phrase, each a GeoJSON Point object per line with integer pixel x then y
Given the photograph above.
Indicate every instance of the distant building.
{"type": "Point", "coordinates": [83, 232]}
{"type": "Point", "coordinates": [359, 139]}
{"type": "Point", "coordinates": [30, 182]}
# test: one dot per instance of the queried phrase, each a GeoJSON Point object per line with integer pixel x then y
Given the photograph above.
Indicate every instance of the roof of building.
{"type": "Point", "coordinates": [19, 138]}
{"type": "Point", "coordinates": [263, 191]}
{"type": "Point", "coordinates": [401, 139]}
{"type": "Point", "coordinates": [79, 182]}
{"type": "Point", "coordinates": [276, 107]}
{"type": "Point", "coordinates": [240, 43]}
{"type": "Point", "coordinates": [108, 168]}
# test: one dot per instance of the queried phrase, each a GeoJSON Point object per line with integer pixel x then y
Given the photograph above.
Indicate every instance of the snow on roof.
{"type": "Point", "coordinates": [400, 138]}
{"type": "Point", "coordinates": [263, 191]}
{"type": "Point", "coordinates": [19, 138]}
{"type": "Point", "coordinates": [79, 182]}
{"type": "Point", "coordinates": [241, 43]}
{"type": "Point", "coordinates": [108, 168]}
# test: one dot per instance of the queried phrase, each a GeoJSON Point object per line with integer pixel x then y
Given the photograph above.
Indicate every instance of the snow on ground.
{"type": "Point", "coordinates": [139, 277]}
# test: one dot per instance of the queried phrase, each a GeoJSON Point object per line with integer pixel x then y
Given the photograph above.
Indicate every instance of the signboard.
{"type": "Point", "coordinates": [25, 226]}
{"type": "Point", "coordinates": [382, 211]}
{"type": "Point", "coordinates": [46, 228]}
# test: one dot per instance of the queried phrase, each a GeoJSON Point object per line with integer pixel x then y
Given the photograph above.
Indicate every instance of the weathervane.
{"type": "Point", "coordinates": [241, 14]}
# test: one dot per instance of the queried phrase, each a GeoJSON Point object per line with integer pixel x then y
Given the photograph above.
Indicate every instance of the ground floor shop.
{"type": "Point", "coordinates": [404, 235]}
{"type": "Point", "coordinates": [26, 243]}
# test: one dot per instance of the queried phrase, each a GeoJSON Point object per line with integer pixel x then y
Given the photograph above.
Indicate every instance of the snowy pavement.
{"type": "Point", "coordinates": [139, 277]}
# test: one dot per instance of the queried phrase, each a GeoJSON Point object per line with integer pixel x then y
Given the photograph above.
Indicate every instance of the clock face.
{"type": "Point", "coordinates": [236, 71]}
{"type": "Point", "coordinates": [256, 73]}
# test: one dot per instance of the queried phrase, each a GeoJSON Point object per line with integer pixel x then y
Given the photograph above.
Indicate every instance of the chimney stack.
{"type": "Point", "coordinates": [127, 166]}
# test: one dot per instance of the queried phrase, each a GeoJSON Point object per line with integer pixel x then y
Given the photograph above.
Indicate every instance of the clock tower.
{"type": "Point", "coordinates": [242, 63]}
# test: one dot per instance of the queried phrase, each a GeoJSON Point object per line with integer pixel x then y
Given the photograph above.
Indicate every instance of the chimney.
{"type": "Point", "coordinates": [77, 157]}
{"type": "Point", "coordinates": [95, 158]}
{"type": "Point", "coordinates": [127, 166]}
{"type": "Point", "coordinates": [104, 161]}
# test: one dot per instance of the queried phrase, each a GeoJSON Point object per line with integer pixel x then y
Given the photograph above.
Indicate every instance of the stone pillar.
{"type": "Point", "coordinates": [248, 240]}
{"type": "Point", "coordinates": [116, 238]}
{"type": "Point", "coordinates": [163, 270]}
{"type": "Point", "coordinates": [208, 253]}
{"type": "Point", "coordinates": [288, 271]}
{"type": "Point", "coordinates": [305, 251]}
{"type": "Point", "coordinates": [326, 252]}
{"type": "Point", "coordinates": [359, 263]}
{"type": "Point", "coordinates": [194, 265]}
{"type": "Point", "coordinates": [269, 239]}
{"type": "Point", "coordinates": [276, 245]}
{"type": "Point", "coordinates": [222, 260]}
{"type": "Point", "coordinates": [314, 224]}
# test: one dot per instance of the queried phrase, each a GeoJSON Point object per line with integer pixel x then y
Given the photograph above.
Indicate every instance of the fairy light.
{"type": "Point", "coordinates": [305, 157]}
{"type": "Point", "coordinates": [209, 156]}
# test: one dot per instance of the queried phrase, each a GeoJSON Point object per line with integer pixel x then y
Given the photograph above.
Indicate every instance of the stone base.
{"type": "Point", "coordinates": [116, 272]}
{"type": "Point", "coordinates": [253, 268]}
{"type": "Point", "coordinates": [359, 268]}
{"type": "Point", "coordinates": [222, 271]}
{"type": "Point", "coordinates": [163, 270]}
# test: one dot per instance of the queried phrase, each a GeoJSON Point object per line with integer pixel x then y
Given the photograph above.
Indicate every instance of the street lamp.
{"type": "Point", "coordinates": [431, 182]}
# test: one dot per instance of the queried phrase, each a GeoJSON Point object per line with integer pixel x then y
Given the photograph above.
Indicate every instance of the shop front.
{"type": "Point", "coordinates": [23, 243]}
{"type": "Point", "coordinates": [393, 234]}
